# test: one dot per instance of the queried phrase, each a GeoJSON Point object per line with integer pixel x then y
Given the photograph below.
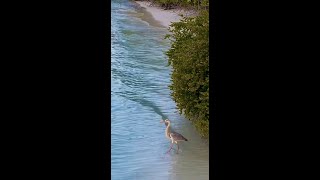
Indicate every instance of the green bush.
{"type": "Point", "coordinates": [194, 3]}
{"type": "Point", "coordinates": [189, 57]}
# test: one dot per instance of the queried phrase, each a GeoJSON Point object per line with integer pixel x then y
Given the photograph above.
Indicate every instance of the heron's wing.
{"type": "Point", "coordinates": [176, 136]}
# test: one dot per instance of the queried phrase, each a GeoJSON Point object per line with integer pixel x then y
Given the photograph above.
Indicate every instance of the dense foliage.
{"type": "Point", "coordinates": [189, 57]}
{"type": "Point", "coordinates": [183, 3]}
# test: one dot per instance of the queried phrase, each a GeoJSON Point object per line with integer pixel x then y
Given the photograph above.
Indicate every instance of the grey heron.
{"type": "Point", "coordinates": [173, 136]}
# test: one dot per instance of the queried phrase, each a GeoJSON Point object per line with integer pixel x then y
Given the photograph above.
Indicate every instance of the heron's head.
{"type": "Point", "coordinates": [166, 122]}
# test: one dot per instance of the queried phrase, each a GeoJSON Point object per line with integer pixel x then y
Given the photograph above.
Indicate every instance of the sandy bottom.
{"type": "Point", "coordinates": [164, 17]}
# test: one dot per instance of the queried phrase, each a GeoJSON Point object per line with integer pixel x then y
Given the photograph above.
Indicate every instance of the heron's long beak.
{"type": "Point", "coordinates": [162, 121]}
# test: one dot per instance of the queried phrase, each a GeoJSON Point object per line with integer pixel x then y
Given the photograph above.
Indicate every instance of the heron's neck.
{"type": "Point", "coordinates": [168, 130]}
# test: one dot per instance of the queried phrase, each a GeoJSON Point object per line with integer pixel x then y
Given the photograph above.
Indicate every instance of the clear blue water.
{"type": "Point", "coordinates": [140, 98]}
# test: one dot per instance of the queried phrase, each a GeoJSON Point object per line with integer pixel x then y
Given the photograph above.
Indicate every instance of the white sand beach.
{"type": "Point", "coordinates": [165, 17]}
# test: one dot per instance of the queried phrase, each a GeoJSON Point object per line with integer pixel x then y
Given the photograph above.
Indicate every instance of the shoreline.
{"type": "Point", "coordinates": [155, 15]}
{"type": "Point", "coordinates": [164, 17]}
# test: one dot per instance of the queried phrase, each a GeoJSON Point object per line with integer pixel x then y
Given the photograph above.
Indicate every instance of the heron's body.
{"type": "Point", "coordinates": [173, 136]}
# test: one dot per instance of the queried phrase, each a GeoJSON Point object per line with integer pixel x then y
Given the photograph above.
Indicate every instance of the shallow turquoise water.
{"type": "Point", "coordinates": [140, 98]}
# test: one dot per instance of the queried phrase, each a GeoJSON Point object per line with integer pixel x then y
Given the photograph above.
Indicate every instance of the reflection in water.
{"type": "Point", "coordinates": [140, 98]}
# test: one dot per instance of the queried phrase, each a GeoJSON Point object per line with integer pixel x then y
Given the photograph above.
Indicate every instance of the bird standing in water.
{"type": "Point", "coordinates": [173, 136]}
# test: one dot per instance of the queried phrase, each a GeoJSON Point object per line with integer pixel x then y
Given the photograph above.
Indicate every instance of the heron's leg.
{"type": "Point", "coordinates": [170, 148]}
{"type": "Point", "coordinates": [173, 146]}
{"type": "Point", "coordinates": [178, 148]}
